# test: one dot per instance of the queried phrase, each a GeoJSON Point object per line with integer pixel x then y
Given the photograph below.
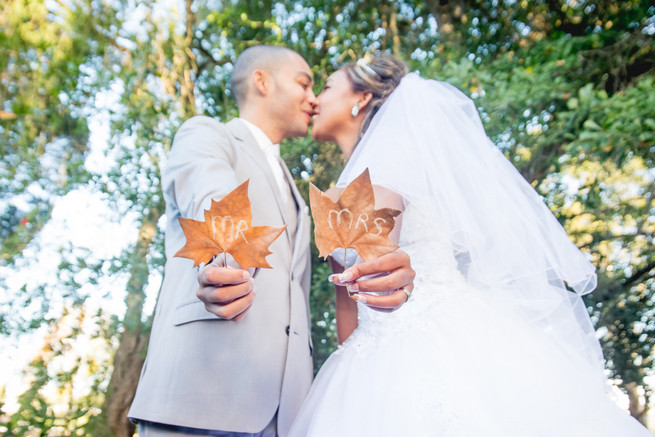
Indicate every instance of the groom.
{"type": "Point", "coordinates": [232, 357]}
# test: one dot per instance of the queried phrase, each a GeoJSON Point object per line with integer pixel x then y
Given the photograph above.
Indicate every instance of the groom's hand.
{"type": "Point", "coordinates": [227, 292]}
{"type": "Point", "coordinates": [394, 274]}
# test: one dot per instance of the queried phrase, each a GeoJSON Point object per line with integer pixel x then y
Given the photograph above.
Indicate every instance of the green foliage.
{"type": "Point", "coordinates": [614, 127]}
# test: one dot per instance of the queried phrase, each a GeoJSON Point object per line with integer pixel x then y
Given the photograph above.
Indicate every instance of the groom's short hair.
{"type": "Point", "coordinates": [260, 57]}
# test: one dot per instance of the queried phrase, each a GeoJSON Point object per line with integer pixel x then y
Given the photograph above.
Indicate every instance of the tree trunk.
{"type": "Point", "coordinates": [128, 362]}
{"type": "Point", "coordinates": [132, 347]}
{"type": "Point", "coordinates": [395, 38]}
{"type": "Point", "coordinates": [638, 405]}
{"type": "Point", "coordinates": [189, 67]}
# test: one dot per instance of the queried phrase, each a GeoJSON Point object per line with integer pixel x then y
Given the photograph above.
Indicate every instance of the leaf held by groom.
{"type": "Point", "coordinates": [229, 353]}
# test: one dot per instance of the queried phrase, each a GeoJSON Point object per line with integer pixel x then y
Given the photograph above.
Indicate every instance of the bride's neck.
{"type": "Point", "coordinates": [347, 143]}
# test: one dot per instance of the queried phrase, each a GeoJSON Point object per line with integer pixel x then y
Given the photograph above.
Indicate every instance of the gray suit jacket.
{"type": "Point", "coordinates": [204, 372]}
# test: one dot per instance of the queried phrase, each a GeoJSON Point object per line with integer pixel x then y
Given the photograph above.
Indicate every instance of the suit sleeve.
{"type": "Point", "coordinates": [200, 167]}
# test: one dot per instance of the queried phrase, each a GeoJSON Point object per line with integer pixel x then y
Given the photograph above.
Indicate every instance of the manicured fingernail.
{"type": "Point", "coordinates": [359, 298]}
{"type": "Point", "coordinates": [345, 276]}
{"type": "Point", "coordinates": [331, 278]}
{"type": "Point", "coordinates": [246, 274]}
{"type": "Point", "coordinates": [354, 287]}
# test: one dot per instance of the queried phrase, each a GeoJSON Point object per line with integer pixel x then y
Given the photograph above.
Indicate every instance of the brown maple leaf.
{"type": "Point", "coordinates": [227, 229]}
{"type": "Point", "coordinates": [352, 222]}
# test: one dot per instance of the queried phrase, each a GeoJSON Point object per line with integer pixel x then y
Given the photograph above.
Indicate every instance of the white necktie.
{"type": "Point", "coordinates": [272, 153]}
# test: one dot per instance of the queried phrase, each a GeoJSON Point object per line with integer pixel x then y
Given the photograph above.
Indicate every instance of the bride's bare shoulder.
{"type": "Point", "coordinates": [386, 198]}
{"type": "Point", "coordinates": [334, 193]}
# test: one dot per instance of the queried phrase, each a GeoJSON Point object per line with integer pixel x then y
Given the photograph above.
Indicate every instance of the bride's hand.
{"type": "Point", "coordinates": [395, 276]}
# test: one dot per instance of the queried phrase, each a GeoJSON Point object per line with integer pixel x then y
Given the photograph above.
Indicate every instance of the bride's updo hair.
{"type": "Point", "coordinates": [379, 75]}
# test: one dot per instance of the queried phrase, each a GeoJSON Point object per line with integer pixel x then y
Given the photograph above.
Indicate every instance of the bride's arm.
{"type": "Point", "coordinates": [385, 198]}
{"type": "Point", "coordinates": [346, 307]}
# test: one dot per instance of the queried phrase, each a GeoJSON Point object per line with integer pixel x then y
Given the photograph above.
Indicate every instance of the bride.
{"type": "Point", "coordinates": [492, 342]}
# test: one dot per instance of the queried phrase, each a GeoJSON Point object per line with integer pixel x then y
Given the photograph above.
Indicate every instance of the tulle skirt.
{"type": "Point", "coordinates": [461, 366]}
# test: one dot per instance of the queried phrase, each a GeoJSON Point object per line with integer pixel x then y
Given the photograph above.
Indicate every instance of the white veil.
{"type": "Point", "coordinates": [427, 144]}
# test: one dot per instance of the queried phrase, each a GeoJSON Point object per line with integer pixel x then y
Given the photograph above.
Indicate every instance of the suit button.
{"type": "Point", "coordinates": [287, 329]}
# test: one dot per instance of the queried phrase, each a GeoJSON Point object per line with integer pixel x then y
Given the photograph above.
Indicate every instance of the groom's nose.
{"type": "Point", "coordinates": [313, 100]}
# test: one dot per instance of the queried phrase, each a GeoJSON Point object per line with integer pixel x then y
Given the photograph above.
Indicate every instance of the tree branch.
{"type": "Point", "coordinates": [210, 58]}
{"type": "Point", "coordinates": [641, 272]}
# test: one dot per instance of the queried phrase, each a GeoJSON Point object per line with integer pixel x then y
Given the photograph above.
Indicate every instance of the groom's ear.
{"type": "Point", "coordinates": [364, 98]}
{"type": "Point", "coordinates": [261, 83]}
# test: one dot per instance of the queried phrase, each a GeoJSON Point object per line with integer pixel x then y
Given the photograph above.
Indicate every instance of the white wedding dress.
{"type": "Point", "coordinates": [455, 361]}
{"type": "Point", "coordinates": [492, 342]}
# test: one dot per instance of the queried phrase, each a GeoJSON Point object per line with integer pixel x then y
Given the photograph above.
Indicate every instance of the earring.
{"type": "Point", "coordinates": [355, 110]}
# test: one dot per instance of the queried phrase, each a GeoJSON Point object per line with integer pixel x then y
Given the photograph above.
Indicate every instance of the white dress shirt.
{"type": "Point", "coordinates": [272, 152]}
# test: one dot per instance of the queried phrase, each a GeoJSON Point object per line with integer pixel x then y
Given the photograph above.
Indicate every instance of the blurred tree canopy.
{"type": "Point", "coordinates": [565, 89]}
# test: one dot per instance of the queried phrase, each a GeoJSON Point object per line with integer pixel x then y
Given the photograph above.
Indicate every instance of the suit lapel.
{"type": "Point", "coordinates": [292, 186]}
{"type": "Point", "coordinates": [300, 241]}
{"type": "Point", "coordinates": [295, 194]}
{"type": "Point", "coordinates": [242, 134]}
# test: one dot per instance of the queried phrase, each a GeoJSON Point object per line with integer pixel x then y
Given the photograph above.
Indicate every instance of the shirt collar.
{"type": "Point", "coordinates": [263, 141]}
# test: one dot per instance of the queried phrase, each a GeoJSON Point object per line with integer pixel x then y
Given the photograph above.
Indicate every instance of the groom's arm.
{"type": "Point", "coordinates": [346, 308]}
{"type": "Point", "coordinates": [200, 169]}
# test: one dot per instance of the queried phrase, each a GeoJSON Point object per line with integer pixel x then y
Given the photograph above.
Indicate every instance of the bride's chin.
{"type": "Point", "coordinates": [317, 135]}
